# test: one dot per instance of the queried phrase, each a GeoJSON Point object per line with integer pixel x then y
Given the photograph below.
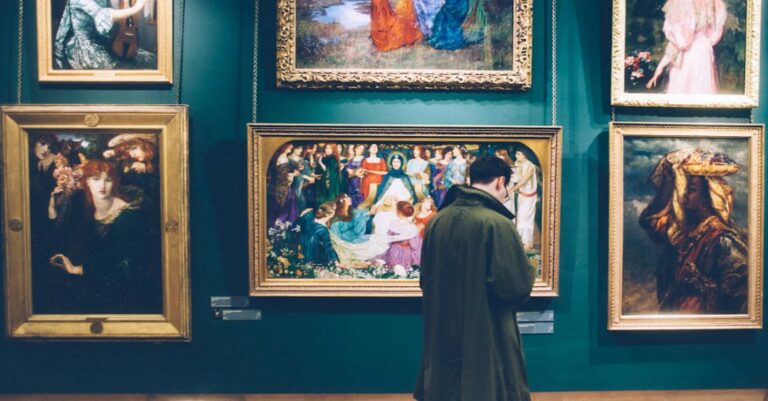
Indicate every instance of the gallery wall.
{"type": "Point", "coordinates": [369, 345]}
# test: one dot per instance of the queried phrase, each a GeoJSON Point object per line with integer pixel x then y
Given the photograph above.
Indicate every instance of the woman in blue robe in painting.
{"type": "Point", "coordinates": [458, 24]}
{"type": "Point", "coordinates": [354, 172]}
{"type": "Point", "coordinates": [314, 236]}
{"type": "Point", "coordinates": [84, 38]}
{"type": "Point", "coordinates": [396, 183]}
{"type": "Point", "coordinates": [418, 171]}
{"type": "Point", "coordinates": [350, 224]}
{"type": "Point", "coordinates": [456, 172]}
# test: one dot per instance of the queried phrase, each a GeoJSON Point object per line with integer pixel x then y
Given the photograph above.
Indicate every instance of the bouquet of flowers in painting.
{"type": "Point", "coordinates": [638, 69]}
{"type": "Point", "coordinates": [359, 210]}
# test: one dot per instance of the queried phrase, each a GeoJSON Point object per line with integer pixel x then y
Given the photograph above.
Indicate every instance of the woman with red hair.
{"type": "Point", "coordinates": [120, 261]}
{"type": "Point", "coordinates": [404, 241]}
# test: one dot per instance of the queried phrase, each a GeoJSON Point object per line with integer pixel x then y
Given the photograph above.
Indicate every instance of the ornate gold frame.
{"type": "Point", "coordinates": [263, 140]}
{"type": "Point", "coordinates": [619, 321]}
{"type": "Point", "coordinates": [171, 124]}
{"type": "Point", "coordinates": [518, 78]}
{"type": "Point", "coordinates": [163, 73]}
{"type": "Point", "coordinates": [749, 99]}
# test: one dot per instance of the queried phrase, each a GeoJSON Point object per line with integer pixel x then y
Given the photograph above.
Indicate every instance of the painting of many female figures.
{"type": "Point", "coordinates": [700, 53]}
{"type": "Point", "coordinates": [351, 210]}
{"type": "Point", "coordinates": [96, 221]}
{"type": "Point", "coordinates": [458, 44]}
{"type": "Point", "coordinates": [686, 226]}
{"type": "Point", "coordinates": [105, 40]}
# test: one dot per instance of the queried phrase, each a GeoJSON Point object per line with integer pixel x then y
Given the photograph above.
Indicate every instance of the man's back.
{"type": "Point", "coordinates": [474, 276]}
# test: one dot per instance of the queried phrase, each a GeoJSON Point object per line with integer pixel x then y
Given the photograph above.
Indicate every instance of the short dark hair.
{"type": "Point", "coordinates": [487, 168]}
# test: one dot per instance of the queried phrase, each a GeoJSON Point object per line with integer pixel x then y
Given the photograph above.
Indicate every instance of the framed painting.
{"type": "Point", "coordinates": [405, 44]}
{"type": "Point", "coordinates": [685, 227]}
{"type": "Point", "coordinates": [685, 53]}
{"type": "Point", "coordinates": [340, 210]}
{"type": "Point", "coordinates": [105, 41]}
{"type": "Point", "coordinates": [96, 237]}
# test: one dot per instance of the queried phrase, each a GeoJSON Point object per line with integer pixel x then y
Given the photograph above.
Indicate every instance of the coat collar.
{"type": "Point", "coordinates": [462, 194]}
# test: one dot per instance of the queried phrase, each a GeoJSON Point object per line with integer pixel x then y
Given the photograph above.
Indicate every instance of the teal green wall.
{"type": "Point", "coordinates": [371, 345]}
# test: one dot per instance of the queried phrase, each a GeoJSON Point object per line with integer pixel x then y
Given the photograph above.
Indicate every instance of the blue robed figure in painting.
{"type": "Point", "coordinates": [458, 24]}
{"type": "Point", "coordinates": [314, 236]}
{"type": "Point", "coordinates": [350, 223]}
{"type": "Point", "coordinates": [396, 183]}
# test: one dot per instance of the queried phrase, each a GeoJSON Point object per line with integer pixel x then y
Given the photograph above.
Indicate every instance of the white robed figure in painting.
{"type": "Point", "coordinates": [527, 197]}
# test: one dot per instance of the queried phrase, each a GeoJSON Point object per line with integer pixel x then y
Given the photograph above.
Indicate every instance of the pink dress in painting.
{"type": "Point", "coordinates": [693, 28]}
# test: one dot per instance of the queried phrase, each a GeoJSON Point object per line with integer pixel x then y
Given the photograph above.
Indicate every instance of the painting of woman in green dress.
{"type": "Point", "coordinates": [103, 242]}
{"type": "Point", "coordinates": [99, 35]}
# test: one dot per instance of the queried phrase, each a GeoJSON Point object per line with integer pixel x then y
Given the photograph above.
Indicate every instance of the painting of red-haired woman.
{"type": "Point", "coordinates": [103, 251]}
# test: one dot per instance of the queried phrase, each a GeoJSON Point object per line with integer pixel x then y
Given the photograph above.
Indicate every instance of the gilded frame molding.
{"type": "Point", "coordinates": [617, 320]}
{"type": "Point", "coordinates": [171, 122]}
{"type": "Point", "coordinates": [749, 99]}
{"type": "Point", "coordinates": [163, 74]}
{"type": "Point", "coordinates": [516, 79]}
{"type": "Point", "coordinates": [259, 134]}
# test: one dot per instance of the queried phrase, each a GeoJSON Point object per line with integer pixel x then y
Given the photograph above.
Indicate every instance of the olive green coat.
{"type": "Point", "coordinates": [474, 274]}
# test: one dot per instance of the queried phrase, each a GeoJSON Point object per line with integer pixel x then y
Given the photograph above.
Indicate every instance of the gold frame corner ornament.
{"type": "Point", "coordinates": [519, 78]}
{"type": "Point", "coordinates": [171, 124]}
{"type": "Point", "coordinates": [163, 74]}
{"type": "Point", "coordinates": [749, 99]}
{"type": "Point", "coordinates": [620, 321]}
{"type": "Point", "coordinates": [262, 138]}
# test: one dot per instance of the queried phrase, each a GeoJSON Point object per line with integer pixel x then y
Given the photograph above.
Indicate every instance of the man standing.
{"type": "Point", "coordinates": [474, 275]}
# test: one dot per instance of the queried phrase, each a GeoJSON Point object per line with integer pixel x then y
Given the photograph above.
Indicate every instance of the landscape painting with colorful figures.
{"type": "Point", "coordinates": [358, 210]}
{"type": "Point", "coordinates": [405, 34]}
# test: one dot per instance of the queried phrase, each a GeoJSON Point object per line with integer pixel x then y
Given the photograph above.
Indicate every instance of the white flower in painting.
{"type": "Point", "coordinates": [400, 271]}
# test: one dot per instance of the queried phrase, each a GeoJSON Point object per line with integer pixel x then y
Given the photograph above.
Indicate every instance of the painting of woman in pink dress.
{"type": "Point", "coordinates": [692, 29]}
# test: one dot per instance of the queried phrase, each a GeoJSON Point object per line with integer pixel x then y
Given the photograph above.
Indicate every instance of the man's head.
{"type": "Point", "coordinates": [491, 174]}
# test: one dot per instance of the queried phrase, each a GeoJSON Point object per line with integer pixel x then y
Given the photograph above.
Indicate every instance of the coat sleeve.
{"type": "Point", "coordinates": [509, 276]}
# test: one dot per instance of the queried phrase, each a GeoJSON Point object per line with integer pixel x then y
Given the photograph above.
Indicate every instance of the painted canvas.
{"type": "Point", "coordinates": [95, 216]}
{"type": "Point", "coordinates": [414, 43]}
{"type": "Point", "coordinates": [356, 209]}
{"type": "Point", "coordinates": [677, 50]}
{"type": "Point", "coordinates": [105, 40]}
{"type": "Point", "coordinates": [96, 228]}
{"type": "Point", "coordinates": [688, 226]}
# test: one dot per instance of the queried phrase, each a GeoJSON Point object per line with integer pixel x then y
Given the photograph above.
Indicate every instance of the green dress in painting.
{"type": "Point", "coordinates": [329, 185]}
{"type": "Point", "coordinates": [84, 40]}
